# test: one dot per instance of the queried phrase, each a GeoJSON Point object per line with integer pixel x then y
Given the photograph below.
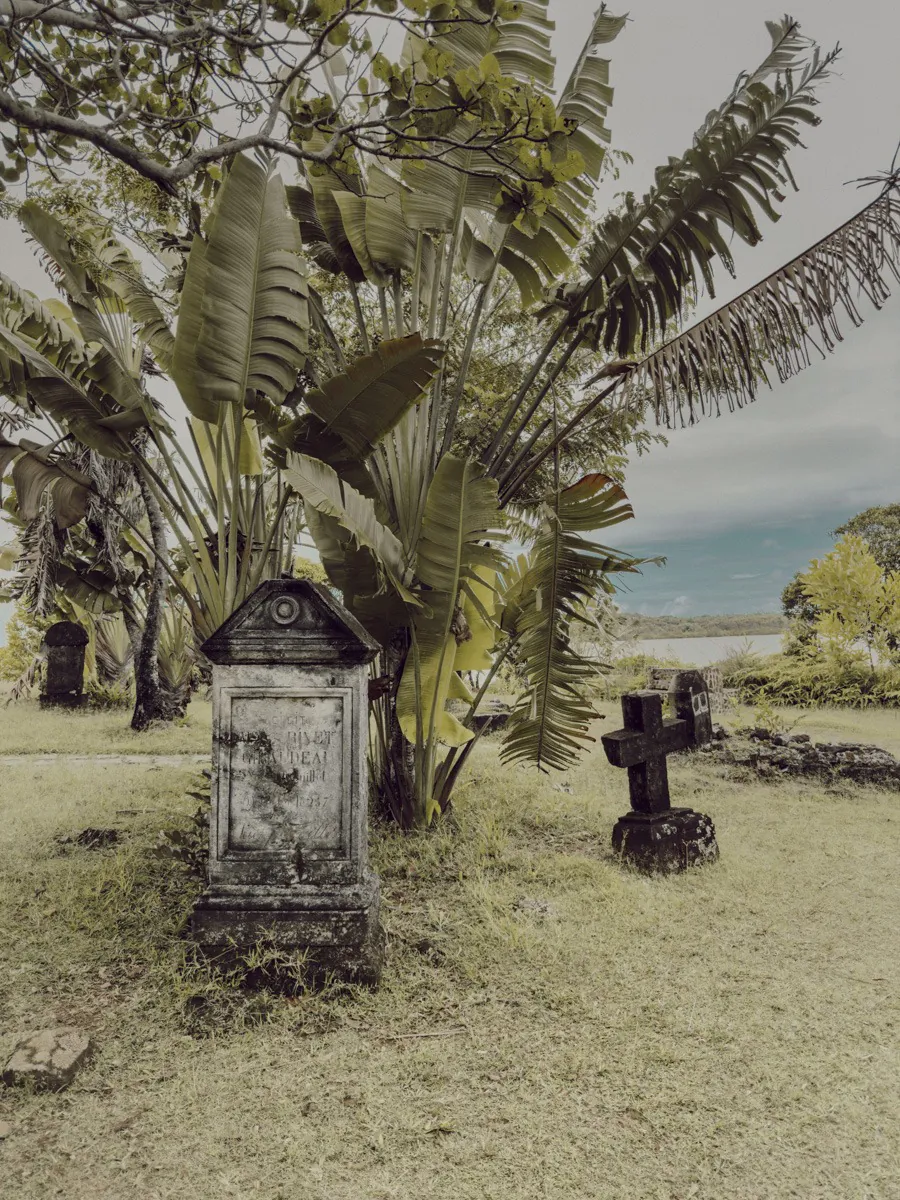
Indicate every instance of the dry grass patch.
{"type": "Point", "coordinates": [549, 1024]}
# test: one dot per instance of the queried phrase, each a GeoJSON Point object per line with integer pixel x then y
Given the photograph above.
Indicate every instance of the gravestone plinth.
{"type": "Point", "coordinates": [63, 683]}
{"type": "Point", "coordinates": [654, 836]}
{"type": "Point", "coordinates": [288, 858]}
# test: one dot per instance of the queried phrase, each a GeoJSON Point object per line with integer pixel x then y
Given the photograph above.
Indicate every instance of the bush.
{"type": "Point", "coordinates": [810, 682]}
{"type": "Point", "coordinates": [24, 634]}
{"type": "Point", "coordinates": [630, 673]}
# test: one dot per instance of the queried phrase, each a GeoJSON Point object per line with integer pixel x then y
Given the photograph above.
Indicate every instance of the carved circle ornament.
{"type": "Point", "coordinates": [285, 610]}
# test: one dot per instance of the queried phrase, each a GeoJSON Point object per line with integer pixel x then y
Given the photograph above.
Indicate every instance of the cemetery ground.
{"type": "Point", "coordinates": [549, 1024]}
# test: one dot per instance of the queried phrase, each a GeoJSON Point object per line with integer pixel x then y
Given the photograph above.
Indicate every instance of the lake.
{"type": "Point", "coordinates": [701, 651]}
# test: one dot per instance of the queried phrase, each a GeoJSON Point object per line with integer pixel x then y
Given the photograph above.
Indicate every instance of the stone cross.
{"type": "Point", "coordinates": [654, 836]}
{"type": "Point", "coordinates": [64, 644]}
{"type": "Point", "coordinates": [288, 839]}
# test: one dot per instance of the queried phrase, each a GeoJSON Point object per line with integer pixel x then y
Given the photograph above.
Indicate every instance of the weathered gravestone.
{"type": "Point", "coordinates": [654, 836]}
{"type": "Point", "coordinates": [64, 645]}
{"type": "Point", "coordinates": [288, 838]}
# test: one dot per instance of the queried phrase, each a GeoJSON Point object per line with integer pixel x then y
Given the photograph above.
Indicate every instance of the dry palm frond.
{"type": "Point", "coordinates": [778, 325]}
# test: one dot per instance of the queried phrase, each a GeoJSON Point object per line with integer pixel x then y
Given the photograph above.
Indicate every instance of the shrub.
{"type": "Point", "coordinates": [810, 682]}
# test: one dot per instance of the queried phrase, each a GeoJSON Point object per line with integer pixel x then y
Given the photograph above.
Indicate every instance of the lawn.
{"type": "Point", "coordinates": [549, 1025]}
{"type": "Point", "coordinates": [25, 728]}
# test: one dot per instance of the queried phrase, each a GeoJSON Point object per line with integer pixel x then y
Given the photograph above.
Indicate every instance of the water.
{"type": "Point", "coordinates": [702, 651]}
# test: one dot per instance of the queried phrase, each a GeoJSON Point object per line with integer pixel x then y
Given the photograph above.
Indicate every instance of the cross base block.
{"type": "Point", "coordinates": [665, 842]}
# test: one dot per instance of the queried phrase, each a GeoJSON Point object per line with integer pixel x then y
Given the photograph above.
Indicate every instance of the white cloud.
{"type": "Point", "coordinates": [755, 575]}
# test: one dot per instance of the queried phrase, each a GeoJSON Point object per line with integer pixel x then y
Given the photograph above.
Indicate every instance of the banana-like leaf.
{"type": "Point", "coordinates": [250, 455]}
{"type": "Point", "coordinates": [84, 418]}
{"type": "Point", "coordinates": [322, 489]}
{"type": "Point", "coordinates": [461, 512]}
{"type": "Point", "coordinates": [48, 326]}
{"type": "Point", "coordinates": [253, 315]}
{"type": "Point", "coordinates": [551, 719]}
{"type": "Point", "coordinates": [34, 472]}
{"type": "Point", "coordinates": [185, 367]}
{"type": "Point", "coordinates": [125, 279]}
{"type": "Point", "coordinates": [92, 590]}
{"type": "Point", "coordinates": [366, 402]}
{"type": "Point", "coordinates": [585, 101]}
{"type": "Point", "coordinates": [52, 236]}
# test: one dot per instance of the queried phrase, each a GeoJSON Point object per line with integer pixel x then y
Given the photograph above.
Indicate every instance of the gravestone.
{"type": "Point", "coordinates": [288, 858]}
{"type": "Point", "coordinates": [64, 645]}
{"type": "Point", "coordinates": [661, 679]}
{"type": "Point", "coordinates": [654, 836]}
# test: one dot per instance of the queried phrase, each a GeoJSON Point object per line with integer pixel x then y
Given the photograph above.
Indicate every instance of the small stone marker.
{"type": "Point", "coordinates": [288, 828]}
{"type": "Point", "coordinates": [654, 836]}
{"type": "Point", "coordinates": [50, 1059]}
{"type": "Point", "coordinates": [64, 643]}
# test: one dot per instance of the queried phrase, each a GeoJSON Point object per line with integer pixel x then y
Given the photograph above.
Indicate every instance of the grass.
{"type": "Point", "coordinates": [726, 1035]}
{"type": "Point", "coordinates": [25, 728]}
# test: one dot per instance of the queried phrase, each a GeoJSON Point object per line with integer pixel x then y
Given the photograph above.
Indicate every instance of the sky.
{"type": "Point", "coordinates": [738, 504]}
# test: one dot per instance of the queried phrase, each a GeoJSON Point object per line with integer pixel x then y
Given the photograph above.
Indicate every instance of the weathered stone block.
{"type": "Point", "coordinates": [666, 842]}
{"type": "Point", "coordinates": [49, 1059]}
{"type": "Point", "coordinates": [288, 832]}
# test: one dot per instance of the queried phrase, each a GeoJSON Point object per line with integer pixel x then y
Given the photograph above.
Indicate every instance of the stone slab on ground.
{"type": "Point", "coordinates": [49, 1059]}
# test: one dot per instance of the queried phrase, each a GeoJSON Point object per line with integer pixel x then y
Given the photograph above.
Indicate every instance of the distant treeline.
{"type": "Point", "coordinates": [743, 625]}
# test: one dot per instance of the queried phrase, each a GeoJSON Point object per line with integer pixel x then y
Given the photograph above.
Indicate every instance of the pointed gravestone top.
{"type": "Point", "coordinates": [291, 621]}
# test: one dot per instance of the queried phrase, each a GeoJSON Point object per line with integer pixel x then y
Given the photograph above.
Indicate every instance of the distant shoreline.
{"type": "Point", "coordinates": [638, 628]}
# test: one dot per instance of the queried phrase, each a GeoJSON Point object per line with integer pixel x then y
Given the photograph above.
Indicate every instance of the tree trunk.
{"type": "Point", "coordinates": [397, 786]}
{"type": "Point", "coordinates": [152, 703]}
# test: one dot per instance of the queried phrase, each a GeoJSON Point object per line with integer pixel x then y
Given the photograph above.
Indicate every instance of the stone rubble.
{"type": "Point", "coordinates": [795, 754]}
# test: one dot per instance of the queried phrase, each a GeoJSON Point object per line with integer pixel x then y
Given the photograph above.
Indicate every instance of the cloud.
{"type": "Point", "coordinates": [755, 575]}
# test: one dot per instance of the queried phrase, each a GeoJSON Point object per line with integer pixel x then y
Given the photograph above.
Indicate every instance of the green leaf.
{"type": "Point", "coordinates": [252, 286]}
{"type": "Point", "coordinates": [34, 472]}
{"type": "Point", "coordinates": [322, 489]}
{"type": "Point", "coordinates": [551, 719]}
{"type": "Point", "coordinates": [461, 512]}
{"type": "Point", "coordinates": [367, 401]}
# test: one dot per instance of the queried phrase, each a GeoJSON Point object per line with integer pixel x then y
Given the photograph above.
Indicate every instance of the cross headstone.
{"type": "Point", "coordinates": [63, 682]}
{"type": "Point", "coordinates": [654, 836]}
{"type": "Point", "coordinates": [288, 856]}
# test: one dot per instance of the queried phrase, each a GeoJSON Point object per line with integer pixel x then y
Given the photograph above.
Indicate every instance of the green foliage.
{"type": "Point", "coordinates": [879, 528]}
{"type": "Point", "coordinates": [308, 568]}
{"type": "Point", "coordinates": [855, 600]}
{"type": "Point", "coordinates": [635, 625]}
{"type": "Point", "coordinates": [814, 682]}
{"type": "Point", "coordinates": [24, 634]}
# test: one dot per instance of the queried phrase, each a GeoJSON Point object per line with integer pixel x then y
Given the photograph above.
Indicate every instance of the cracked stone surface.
{"type": "Point", "coordinates": [49, 1059]}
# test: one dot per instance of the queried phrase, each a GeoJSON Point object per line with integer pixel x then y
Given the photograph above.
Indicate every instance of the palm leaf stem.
{"type": "Point", "coordinates": [231, 578]}
{"type": "Point", "coordinates": [509, 492]}
{"type": "Point", "coordinates": [385, 319]}
{"type": "Point", "coordinates": [474, 328]}
{"type": "Point", "coordinates": [274, 526]}
{"type": "Point", "coordinates": [399, 322]}
{"type": "Point", "coordinates": [360, 319]}
{"type": "Point", "coordinates": [489, 456]}
{"type": "Point", "coordinates": [416, 283]}
{"type": "Point", "coordinates": [532, 408]}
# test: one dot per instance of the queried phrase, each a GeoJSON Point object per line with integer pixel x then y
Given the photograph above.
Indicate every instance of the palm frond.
{"type": "Point", "coordinates": [649, 257]}
{"type": "Point", "coordinates": [778, 326]}
{"type": "Point", "coordinates": [551, 719]}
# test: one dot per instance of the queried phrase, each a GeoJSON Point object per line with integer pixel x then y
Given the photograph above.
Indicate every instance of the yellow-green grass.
{"type": "Point", "coordinates": [26, 728]}
{"type": "Point", "coordinates": [726, 1035]}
